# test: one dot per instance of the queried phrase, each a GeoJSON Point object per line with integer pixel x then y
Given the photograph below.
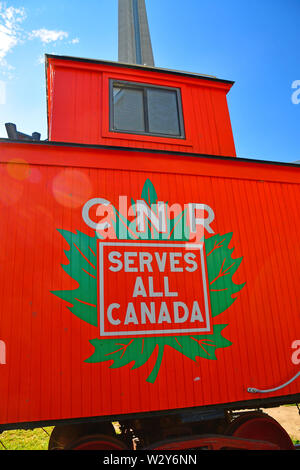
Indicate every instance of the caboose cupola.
{"type": "Point", "coordinates": [133, 104]}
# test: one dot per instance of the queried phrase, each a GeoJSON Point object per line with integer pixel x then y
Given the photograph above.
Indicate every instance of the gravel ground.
{"type": "Point", "coordinates": [288, 417]}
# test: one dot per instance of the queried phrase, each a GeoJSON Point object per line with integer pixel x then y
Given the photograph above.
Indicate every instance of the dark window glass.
{"type": "Point", "coordinates": [128, 109]}
{"type": "Point", "coordinates": [143, 109]}
{"type": "Point", "coordinates": [163, 112]}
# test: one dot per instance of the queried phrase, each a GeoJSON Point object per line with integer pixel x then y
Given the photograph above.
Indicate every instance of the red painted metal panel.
{"type": "Point", "coordinates": [56, 364]}
{"type": "Point", "coordinates": [78, 108]}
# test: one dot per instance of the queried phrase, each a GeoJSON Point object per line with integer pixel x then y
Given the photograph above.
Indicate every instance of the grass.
{"type": "Point", "coordinates": [36, 439]}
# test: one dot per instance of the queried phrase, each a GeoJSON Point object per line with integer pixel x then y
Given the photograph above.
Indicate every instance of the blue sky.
{"type": "Point", "coordinates": [253, 42]}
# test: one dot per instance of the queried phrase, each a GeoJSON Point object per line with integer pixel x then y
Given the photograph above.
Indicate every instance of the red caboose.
{"type": "Point", "coordinates": [148, 276]}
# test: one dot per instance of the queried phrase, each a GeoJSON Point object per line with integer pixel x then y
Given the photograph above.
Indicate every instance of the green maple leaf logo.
{"type": "Point", "coordinates": [137, 351]}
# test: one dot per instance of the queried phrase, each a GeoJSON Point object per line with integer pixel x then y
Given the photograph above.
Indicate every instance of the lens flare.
{"type": "Point", "coordinates": [71, 188]}
{"type": "Point", "coordinates": [18, 169]}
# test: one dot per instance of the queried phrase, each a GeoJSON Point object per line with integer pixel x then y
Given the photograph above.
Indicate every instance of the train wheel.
{"type": "Point", "coordinates": [63, 436]}
{"type": "Point", "coordinates": [96, 442]}
{"type": "Point", "coordinates": [260, 426]}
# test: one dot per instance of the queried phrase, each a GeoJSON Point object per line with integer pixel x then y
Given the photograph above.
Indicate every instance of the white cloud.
{"type": "Point", "coordinates": [48, 35]}
{"type": "Point", "coordinates": [13, 34]}
{"type": "Point", "coordinates": [10, 30]}
{"type": "Point", "coordinates": [41, 59]}
{"type": "Point", "coordinates": [2, 92]}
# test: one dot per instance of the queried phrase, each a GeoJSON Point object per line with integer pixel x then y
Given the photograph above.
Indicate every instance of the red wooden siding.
{"type": "Point", "coordinates": [78, 108]}
{"type": "Point", "coordinates": [45, 376]}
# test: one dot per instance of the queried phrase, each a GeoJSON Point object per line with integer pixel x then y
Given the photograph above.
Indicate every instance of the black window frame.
{"type": "Point", "coordinates": [144, 86]}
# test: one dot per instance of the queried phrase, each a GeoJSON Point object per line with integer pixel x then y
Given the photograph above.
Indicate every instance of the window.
{"type": "Point", "coordinates": [146, 109]}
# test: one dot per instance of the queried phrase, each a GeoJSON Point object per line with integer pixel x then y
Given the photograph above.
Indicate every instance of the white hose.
{"type": "Point", "coordinates": [256, 390]}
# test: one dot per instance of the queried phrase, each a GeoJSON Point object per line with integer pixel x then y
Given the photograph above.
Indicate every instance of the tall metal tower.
{"type": "Point", "coordinates": [134, 36]}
